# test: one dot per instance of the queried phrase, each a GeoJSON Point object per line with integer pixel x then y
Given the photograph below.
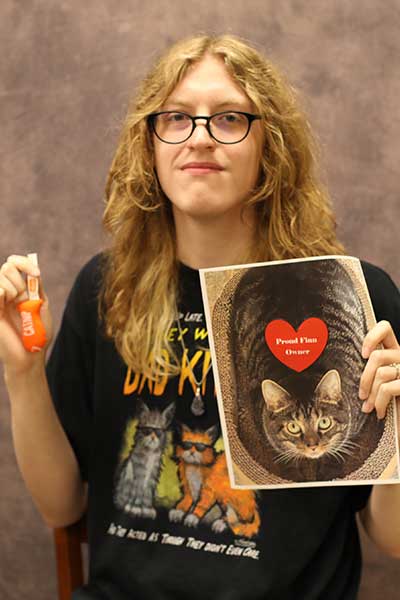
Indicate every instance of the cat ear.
{"type": "Point", "coordinates": [185, 428]}
{"type": "Point", "coordinates": [168, 414]}
{"type": "Point", "coordinates": [329, 388]}
{"type": "Point", "coordinates": [276, 397]}
{"type": "Point", "coordinates": [213, 433]}
{"type": "Point", "coordinates": [142, 408]}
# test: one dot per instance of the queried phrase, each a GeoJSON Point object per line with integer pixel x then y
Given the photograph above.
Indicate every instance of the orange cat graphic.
{"type": "Point", "coordinates": [207, 494]}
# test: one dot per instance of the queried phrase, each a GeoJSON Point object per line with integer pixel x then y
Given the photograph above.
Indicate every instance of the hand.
{"type": "Point", "coordinates": [13, 289]}
{"type": "Point", "coordinates": [378, 383]}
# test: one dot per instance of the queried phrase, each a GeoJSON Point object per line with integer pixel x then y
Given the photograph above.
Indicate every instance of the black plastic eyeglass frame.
{"type": "Point", "coordinates": [250, 119]}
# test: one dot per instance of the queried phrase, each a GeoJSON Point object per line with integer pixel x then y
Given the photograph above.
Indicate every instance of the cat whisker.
{"type": "Point", "coordinates": [335, 452]}
{"type": "Point", "coordinates": [349, 447]}
{"type": "Point", "coordinates": [351, 444]}
{"type": "Point", "coordinates": [286, 456]}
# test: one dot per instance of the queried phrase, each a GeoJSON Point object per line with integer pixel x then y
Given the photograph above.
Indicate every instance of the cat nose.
{"type": "Point", "coordinates": [312, 446]}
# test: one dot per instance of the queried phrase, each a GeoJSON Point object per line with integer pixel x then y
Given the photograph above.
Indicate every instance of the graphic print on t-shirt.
{"type": "Point", "coordinates": [207, 493]}
{"type": "Point", "coordinates": [174, 464]}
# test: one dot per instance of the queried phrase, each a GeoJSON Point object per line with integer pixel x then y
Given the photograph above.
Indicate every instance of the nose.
{"type": "Point", "coordinates": [200, 135]}
{"type": "Point", "coordinates": [312, 446]}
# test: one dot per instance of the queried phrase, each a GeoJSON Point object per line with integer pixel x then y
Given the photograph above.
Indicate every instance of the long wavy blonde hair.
{"type": "Point", "coordinates": [138, 294]}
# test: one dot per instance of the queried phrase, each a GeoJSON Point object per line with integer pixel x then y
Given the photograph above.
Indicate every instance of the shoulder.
{"type": "Point", "coordinates": [90, 274]}
{"type": "Point", "coordinates": [384, 293]}
{"type": "Point", "coordinates": [81, 305]}
{"type": "Point", "coordinates": [376, 276]}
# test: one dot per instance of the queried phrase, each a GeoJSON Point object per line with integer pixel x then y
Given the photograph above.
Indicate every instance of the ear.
{"type": "Point", "coordinates": [276, 397]}
{"type": "Point", "coordinates": [141, 408]}
{"type": "Point", "coordinates": [329, 389]}
{"type": "Point", "coordinates": [185, 428]}
{"type": "Point", "coordinates": [213, 433]}
{"type": "Point", "coordinates": [168, 414]}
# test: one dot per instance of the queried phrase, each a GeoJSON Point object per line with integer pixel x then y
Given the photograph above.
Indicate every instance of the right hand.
{"type": "Point", "coordinates": [13, 290]}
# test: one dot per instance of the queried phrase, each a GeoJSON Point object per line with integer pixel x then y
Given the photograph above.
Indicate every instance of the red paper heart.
{"type": "Point", "coordinates": [297, 349]}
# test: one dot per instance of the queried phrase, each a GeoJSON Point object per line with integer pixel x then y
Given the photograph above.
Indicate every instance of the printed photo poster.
{"type": "Point", "coordinates": [286, 340]}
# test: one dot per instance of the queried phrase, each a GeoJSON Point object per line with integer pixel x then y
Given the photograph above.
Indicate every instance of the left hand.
{"type": "Point", "coordinates": [378, 383]}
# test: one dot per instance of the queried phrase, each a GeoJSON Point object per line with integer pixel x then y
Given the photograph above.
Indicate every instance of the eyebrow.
{"type": "Point", "coordinates": [229, 102]}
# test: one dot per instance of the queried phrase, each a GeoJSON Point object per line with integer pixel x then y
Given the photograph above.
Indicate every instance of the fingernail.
{"type": "Point", "coordinates": [362, 395]}
{"type": "Point", "coordinates": [365, 352]}
{"type": "Point", "coordinates": [36, 272]}
{"type": "Point", "coordinates": [366, 407]}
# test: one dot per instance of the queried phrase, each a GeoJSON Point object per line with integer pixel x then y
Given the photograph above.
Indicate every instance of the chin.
{"type": "Point", "coordinates": [202, 210]}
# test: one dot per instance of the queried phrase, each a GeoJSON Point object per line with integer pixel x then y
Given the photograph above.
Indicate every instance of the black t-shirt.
{"type": "Point", "coordinates": [145, 540]}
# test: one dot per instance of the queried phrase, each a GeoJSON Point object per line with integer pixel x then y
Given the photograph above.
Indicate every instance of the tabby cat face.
{"type": "Point", "coordinates": [296, 431]}
{"type": "Point", "coordinates": [151, 430]}
{"type": "Point", "coordinates": [197, 447]}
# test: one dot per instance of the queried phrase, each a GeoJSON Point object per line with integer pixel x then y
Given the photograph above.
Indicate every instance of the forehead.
{"type": "Point", "coordinates": [209, 81]}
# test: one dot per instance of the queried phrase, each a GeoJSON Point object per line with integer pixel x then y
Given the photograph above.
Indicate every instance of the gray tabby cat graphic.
{"type": "Point", "coordinates": [138, 475]}
{"type": "Point", "coordinates": [301, 426]}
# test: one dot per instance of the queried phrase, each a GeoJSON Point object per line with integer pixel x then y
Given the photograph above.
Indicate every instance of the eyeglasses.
{"type": "Point", "coordinates": [200, 447]}
{"type": "Point", "coordinates": [149, 430]}
{"type": "Point", "coordinates": [228, 127]}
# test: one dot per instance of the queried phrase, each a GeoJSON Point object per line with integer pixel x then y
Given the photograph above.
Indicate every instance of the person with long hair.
{"type": "Point", "coordinates": [216, 165]}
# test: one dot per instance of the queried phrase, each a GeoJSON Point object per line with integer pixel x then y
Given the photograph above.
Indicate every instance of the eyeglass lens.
{"type": "Point", "coordinates": [198, 445]}
{"type": "Point", "coordinates": [149, 430]}
{"type": "Point", "coordinates": [175, 127]}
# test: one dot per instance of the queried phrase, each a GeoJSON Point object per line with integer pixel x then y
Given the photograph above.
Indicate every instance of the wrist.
{"type": "Point", "coordinates": [14, 376]}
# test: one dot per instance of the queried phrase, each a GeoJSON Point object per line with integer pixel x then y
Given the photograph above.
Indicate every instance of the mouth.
{"type": "Point", "coordinates": [201, 170]}
{"type": "Point", "coordinates": [201, 167]}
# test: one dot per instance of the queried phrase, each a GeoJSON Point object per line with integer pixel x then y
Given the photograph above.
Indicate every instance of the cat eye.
{"type": "Point", "coordinates": [324, 423]}
{"type": "Point", "coordinates": [150, 430]}
{"type": "Point", "coordinates": [198, 445]}
{"type": "Point", "coordinates": [293, 428]}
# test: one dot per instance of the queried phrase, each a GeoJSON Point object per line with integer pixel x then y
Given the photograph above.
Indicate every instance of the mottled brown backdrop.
{"type": "Point", "coordinates": [68, 69]}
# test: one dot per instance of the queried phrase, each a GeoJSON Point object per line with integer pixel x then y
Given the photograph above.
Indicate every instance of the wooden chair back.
{"type": "Point", "coordinates": [69, 557]}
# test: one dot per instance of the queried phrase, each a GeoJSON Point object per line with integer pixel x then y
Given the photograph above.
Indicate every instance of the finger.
{"type": "Point", "coordinates": [376, 359]}
{"type": "Point", "coordinates": [9, 273]}
{"type": "Point", "coordinates": [10, 291]}
{"type": "Point", "coordinates": [23, 263]}
{"type": "Point", "coordinates": [383, 375]}
{"type": "Point", "coordinates": [386, 392]}
{"type": "Point", "coordinates": [383, 333]}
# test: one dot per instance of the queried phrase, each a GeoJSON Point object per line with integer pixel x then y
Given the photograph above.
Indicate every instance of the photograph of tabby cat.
{"type": "Point", "coordinates": [207, 496]}
{"type": "Point", "coordinates": [305, 426]}
{"type": "Point", "coordinates": [138, 475]}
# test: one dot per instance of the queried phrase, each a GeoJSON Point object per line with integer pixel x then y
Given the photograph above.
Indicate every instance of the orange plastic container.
{"type": "Point", "coordinates": [33, 331]}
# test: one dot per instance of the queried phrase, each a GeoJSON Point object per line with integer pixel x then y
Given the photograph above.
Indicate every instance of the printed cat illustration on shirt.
{"type": "Point", "coordinates": [309, 425]}
{"type": "Point", "coordinates": [207, 494]}
{"type": "Point", "coordinates": [138, 475]}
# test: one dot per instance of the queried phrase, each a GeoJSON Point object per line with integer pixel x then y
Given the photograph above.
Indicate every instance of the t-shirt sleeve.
{"type": "Point", "coordinates": [359, 496]}
{"type": "Point", "coordinates": [385, 296]}
{"type": "Point", "coordinates": [70, 369]}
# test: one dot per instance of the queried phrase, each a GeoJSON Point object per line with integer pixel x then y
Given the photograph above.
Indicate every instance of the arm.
{"type": "Point", "coordinates": [378, 385]}
{"type": "Point", "coordinates": [44, 455]}
{"type": "Point", "coordinates": [381, 518]}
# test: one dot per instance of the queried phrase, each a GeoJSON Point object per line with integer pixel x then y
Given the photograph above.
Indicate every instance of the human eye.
{"type": "Point", "coordinates": [175, 117]}
{"type": "Point", "coordinates": [229, 117]}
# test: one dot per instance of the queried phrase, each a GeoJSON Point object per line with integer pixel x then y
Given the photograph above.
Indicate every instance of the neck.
{"type": "Point", "coordinates": [213, 243]}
